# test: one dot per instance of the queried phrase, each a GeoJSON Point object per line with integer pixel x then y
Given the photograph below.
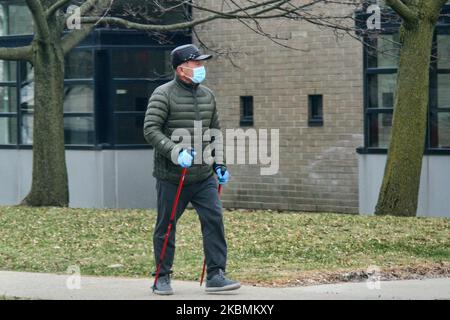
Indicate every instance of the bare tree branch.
{"type": "Point", "coordinates": [257, 14]}
{"type": "Point", "coordinates": [39, 18]}
{"type": "Point", "coordinates": [403, 10]}
{"type": "Point", "coordinates": [182, 25]}
{"type": "Point", "coordinates": [57, 5]}
{"type": "Point", "coordinates": [71, 40]}
{"type": "Point", "coordinates": [439, 4]}
{"type": "Point", "coordinates": [19, 53]}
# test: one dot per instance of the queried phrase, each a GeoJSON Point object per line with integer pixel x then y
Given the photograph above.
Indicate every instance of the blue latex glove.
{"type": "Point", "coordinates": [223, 176]}
{"type": "Point", "coordinates": [185, 158]}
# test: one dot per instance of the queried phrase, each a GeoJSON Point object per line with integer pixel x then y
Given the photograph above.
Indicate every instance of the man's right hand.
{"type": "Point", "coordinates": [185, 158]}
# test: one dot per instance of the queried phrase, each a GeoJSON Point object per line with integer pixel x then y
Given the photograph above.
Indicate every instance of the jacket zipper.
{"type": "Point", "coordinates": [197, 112]}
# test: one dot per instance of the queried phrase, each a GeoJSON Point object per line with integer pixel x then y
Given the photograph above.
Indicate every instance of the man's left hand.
{"type": "Point", "coordinates": [222, 174]}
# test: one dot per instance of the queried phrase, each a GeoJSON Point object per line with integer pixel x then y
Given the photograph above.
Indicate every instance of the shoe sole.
{"type": "Point", "coordinates": [224, 288]}
{"type": "Point", "coordinates": [163, 293]}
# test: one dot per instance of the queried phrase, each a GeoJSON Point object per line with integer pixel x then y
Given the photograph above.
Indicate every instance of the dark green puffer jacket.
{"type": "Point", "coordinates": [175, 105]}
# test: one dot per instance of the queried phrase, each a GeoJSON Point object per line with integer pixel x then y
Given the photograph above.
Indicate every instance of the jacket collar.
{"type": "Point", "coordinates": [187, 86]}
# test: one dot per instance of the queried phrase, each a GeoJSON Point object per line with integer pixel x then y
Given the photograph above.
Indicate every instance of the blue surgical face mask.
{"type": "Point", "coordinates": [199, 74]}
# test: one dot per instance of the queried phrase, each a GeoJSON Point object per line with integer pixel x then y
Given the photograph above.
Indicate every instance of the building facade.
{"type": "Point", "coordinates": [109, 77]}
{"type": "Point", "coordinates": [331, 100]}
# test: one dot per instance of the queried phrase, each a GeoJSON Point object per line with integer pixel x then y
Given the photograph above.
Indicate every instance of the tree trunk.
{"type": "Point", "coordinates": [400, 188]}
{"type": "Point", "coordinates": [50, 184]}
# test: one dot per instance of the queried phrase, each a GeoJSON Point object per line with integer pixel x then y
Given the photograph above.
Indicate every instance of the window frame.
{"type": "Point", "coordinates": [244, 103]}
{"type": "Point", "coordinates": [7, 115]}
{"type": "Point", "coordinates": [101, 41]}
{"type": "Point", "coordinates": [314, 121]}
{"type": "Point", "coordinates": [441, 28]}
{"type": "Point", "coordinates": [112, 85]}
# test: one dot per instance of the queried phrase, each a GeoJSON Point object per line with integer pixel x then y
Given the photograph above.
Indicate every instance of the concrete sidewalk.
{"type": "Point", "coordinates": [52, 286]}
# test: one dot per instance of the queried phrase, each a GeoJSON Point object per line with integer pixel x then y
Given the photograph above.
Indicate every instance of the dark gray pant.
{"type": "Point", "coordinates": [205, 199]}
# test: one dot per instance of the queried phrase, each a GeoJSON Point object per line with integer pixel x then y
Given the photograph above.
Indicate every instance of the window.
{"type": "Point", "coordinates": [381, 90]}
{"type": "Point", "coordinates": [144, 63]}
{"type": "Point", "coordinates": [315, 110]}
{"type": "Point", "coordinates": [135, 75]}
{"type": "Point", "coordinates": [246, 111]}
{"type": "Point", "coordinates": [8, 130]}
{"type": "Point", "coordinates": [129, 110]}
{"type": "Point", "coordinates": [440, 96]}
{"type": "Point", "coordinates": [8, 99]}
{"type": "Point", "coordinates": [380, 125]}
{"type": "Point", "coordinates": [79, 130]}
{"type": "Point", "coordinates": [8, 102]}
{"type": "Point", "coordinates": [133, 97]}
{"type": "Point", "coordinates": [79, 113]}
{"type": "Point", "coordinates": [15, 18]}
{"type": "Point", "coordinates": [8, 71]}
{"type": "Point", "coordinates": [381, 63]}
{"type": "Point", "coordinates": [384, 51]}
{"type": "Point", "coordinates": [26, 110]}
{"type": "Point", "coordinates": [17, 101]}
{"type": "Point", "coordinates": [78, 100]}
{"type": "Point", "coordinates": [382, 57]}
{"type": "Point", "coordinates": [108, 80]}
{"type": "Point", "coordinates": [79, 64]}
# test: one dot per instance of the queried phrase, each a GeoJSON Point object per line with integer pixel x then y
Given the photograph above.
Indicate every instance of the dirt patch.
{"type": "Point", "coordinates": [309, 278]}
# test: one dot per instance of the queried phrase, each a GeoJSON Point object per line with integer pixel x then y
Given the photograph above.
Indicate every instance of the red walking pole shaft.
{"type": "Point", "coordinates": [169, 227]}
{"type": "Point", "coordinates": [204, 259]}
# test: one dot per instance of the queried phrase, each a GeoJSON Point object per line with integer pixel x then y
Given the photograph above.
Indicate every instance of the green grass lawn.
{"type": "Point", "coordinates": [11, 298]}
{"type": "Point", "coordinates": [264, 247]}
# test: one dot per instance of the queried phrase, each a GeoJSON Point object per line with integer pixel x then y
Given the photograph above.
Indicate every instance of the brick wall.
{"type": "Point", "coordinates": [318, 165]}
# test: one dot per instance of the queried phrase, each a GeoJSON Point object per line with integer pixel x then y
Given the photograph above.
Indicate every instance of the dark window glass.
{"type": "Point", "coordinates": [133, 96]}
{"type": "Point", "coordinates": [79, 64]}
{"type": "Point", "coordinates": [26, 129]}
{"type": "Point", "coordinates": [145, 63]}
{"type": "Point", "coordinates": [384, 52]}
{"type": "Point", "coordinates": [381, 90]}
{"type": "Point", "coordinates": [26, 87]}
{"type": "Point", "coordinates": [15, 18]}
{"type": "Point", "coordinates": [129, 129]}
{"type": "Point", "coordinates": [315, 110]}
{"type": "Point", "coordinates": [443, 91]}
{"type": "Point", "coordinates": [8, 99]}
{"type": "Point", "coordinates": [79, 130]}
{"type": "Point", "coordinates": [8, 130]}
{"type": "Point", "coordinates": [7, 71]}
{"type": "Point", "coordinates": [246, 111]}
{"type": "Point", "coordinates": [443, 43]}
{"type": "Point", "coordinates": [387, 100]}
{"type": "Point", "coordinates": [79, 98]}
{"type": "Point", "coordinates": [440, 130]}
{"type": "Point", "coordinates": [380, 125]}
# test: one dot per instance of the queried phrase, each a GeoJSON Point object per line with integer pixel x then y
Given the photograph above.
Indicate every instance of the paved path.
{"type": "Point", "coordinates": [52, 286]}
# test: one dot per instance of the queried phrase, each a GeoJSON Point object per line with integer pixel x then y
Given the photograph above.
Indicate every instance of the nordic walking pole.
{"type": "Point", "coordinates": [172, 217]}
{"type": "Point", "coordinates": [204, 259]}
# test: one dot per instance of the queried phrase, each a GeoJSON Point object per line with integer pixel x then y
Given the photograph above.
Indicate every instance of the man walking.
{"type": "Point", "coordinates": [181, 104]}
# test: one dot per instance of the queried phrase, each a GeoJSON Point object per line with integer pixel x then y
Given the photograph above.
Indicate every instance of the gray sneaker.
{"type": "Point", "coordinates": [163, 286]}
{"type": "Point", "coordinates": [219, 283]}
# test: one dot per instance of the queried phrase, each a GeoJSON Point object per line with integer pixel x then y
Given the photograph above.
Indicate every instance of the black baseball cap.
{"type": "Point", "coordinates": [185, 53]}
